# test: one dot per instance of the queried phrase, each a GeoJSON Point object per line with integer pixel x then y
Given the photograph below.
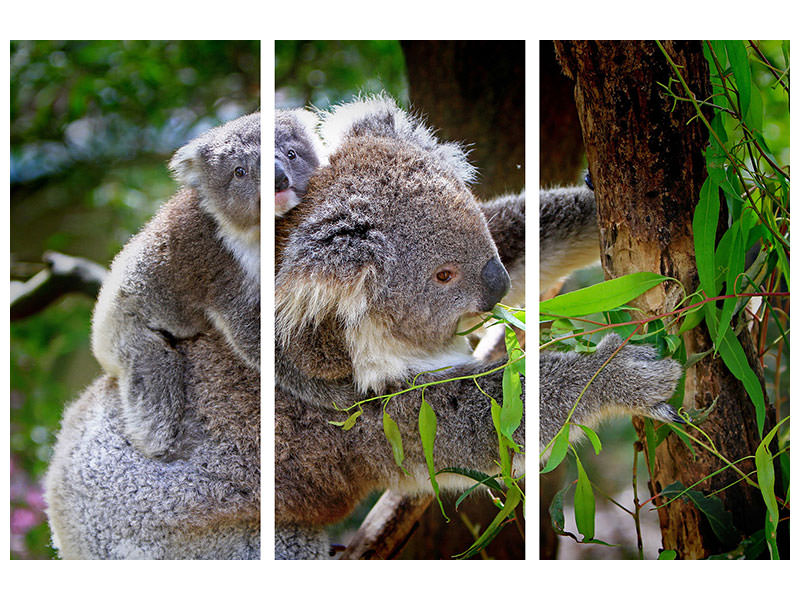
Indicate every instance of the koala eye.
{"type": "Point", "coordinates": [239, 172]}
{"type": "Point", "coordinates": [444, 275]}
{"type": "Point", "coordinates": [291, 154]}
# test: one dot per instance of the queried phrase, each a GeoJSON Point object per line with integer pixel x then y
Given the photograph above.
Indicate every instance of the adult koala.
{"type": "Point", "coordinates": [375, 268]}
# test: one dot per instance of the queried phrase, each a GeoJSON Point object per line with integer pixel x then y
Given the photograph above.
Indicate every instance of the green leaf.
{"type": "Point", "coordinates": [592, 438]}
{"type": "Point", "coordinates": [621, 316]}
{"type": "Point", "coordinates": [721, 520]}
{"type": "Point", "coordinates": [517, 319]}
{"type": "Point", "coordinates": [511, 411]}
{"type": "Point", "coordinates": [667, 555]}
{"type": "Point", "coordinates": [737, 54]}
{"type": "Point", "coordinates": [691, 320]}
{"type": "Point", "coordinates": [673, 342]}
{"type": "Point", "coordinates": [766, 483]}
{"type": "Point", "coordinates": [487, 480]}
{"type": "Point", "coordinates": [427, 434]}
{"type": "Point", "coordinates": [557, 510]}
{"type": "Point", "coordinates": [771, 537]}
{"type": "Point", "coordinates": [584, 503]}
{"type": "Point", "coordinates": [514, 351]}
{"type": "Point", "coordinates": [602, 296]}
{"type": "Point", "coordinates": [735, 265]}
{"type": "Point", "coordinates": [392, 433]}
{"type": "Point", "coordinates": [348, 423]}
{"type": "Point", "coordinates": [704, 225]}
{"type": "Point", "coordinates": [558, 450]}
{"type": "Point", "coordinates": [750, 548]}
{"type": "Point", "coordinates": [755, 116]}
{"type": "Point", "coordinates": [512, 500]}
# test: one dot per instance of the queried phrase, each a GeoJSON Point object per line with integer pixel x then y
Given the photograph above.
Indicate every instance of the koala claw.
{"type": "Point", "coordinates": [667, 413]}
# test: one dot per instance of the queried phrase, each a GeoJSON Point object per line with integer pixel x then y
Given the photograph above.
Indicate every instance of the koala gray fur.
{"type": "Point", "coordinates": [298, 153]}
{"type": "Point", "coordinates": [635, 382]}
{"type": "Point", "coordinates": [193, 269]}
{"type": "Point", "coordinates": [107, 500]}
{"type": "Point", "coordinates": [568, 234]}
{"type": "Point", "coordinates": [374, 270]}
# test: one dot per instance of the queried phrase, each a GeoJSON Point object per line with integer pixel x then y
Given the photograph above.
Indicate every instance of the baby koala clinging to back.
{"type": "Point", "coordinates": [298, 153]}
{"type": "Point", "coordinates": [194, 268]}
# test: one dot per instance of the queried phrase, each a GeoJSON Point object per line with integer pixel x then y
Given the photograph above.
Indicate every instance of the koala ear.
{"type": "Point", "coordinates": [380, 116]}
{"type": "Point", "coordinates": [187, 164]}
{"type": "Point", "coordinates": [330, 266]}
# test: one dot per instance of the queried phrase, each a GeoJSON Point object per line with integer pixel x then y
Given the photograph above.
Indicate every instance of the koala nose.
{"type": "Point", "coordinates": [496, 281]}
{"type": "Point", "coordinates": [281, 180]}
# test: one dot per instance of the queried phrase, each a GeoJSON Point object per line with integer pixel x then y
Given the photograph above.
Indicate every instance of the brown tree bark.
{"type": "Point", "coordinates": [474, 92]}
{"type": "Point", "coordinates": [646, 160]}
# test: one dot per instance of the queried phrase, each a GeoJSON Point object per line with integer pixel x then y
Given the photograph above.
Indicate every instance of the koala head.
{"type": "Point", "coordinates": [224, 167]}
{"type": "Point", "coordinates": [298, 153]}
{"type": "Point", "coordinates": [391, 245]}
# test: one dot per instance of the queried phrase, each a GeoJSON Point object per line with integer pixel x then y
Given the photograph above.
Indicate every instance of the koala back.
{"type": "Point", "coordinates": [107, 500]}
{"type": "Point", "coordinates": [165, 277]}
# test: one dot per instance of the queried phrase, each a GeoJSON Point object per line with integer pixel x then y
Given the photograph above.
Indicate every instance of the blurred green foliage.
{"type": "Point", "coordinates": [321, 73]}
{"type": "Point", "coordinates": [93, 124]}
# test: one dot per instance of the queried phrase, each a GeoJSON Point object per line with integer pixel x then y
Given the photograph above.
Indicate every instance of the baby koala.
{"type": "Point", "coordinates": [192, 270]}
{"type": "Point", "coordinates": [298, 153]}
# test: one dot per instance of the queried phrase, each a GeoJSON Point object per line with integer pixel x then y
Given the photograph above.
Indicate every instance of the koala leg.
{"type": "Point", "coordinates": [294, 542]}
{"type": "Point", "coordinates": [634, 382]}
{"type": "Point", "coordinates": [153, 397]}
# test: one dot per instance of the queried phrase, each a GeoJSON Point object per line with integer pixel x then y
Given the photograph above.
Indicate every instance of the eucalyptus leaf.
{"type": "Point", "coordinates": [593, 438]}
{"type": "Point", "coordinates": [602, 296]}
{"type": "Point", "coordinates": [512, 500]}
{"type": "Point", "coordinates": [721, 520]}
{"type": "Point", "coordinates": [427, 434]}
{"type": "Point", "coordinates": [704, 225]}
{"type": "Point", "coordinates": [558, 450]}
{"type": "Point", "coordinates": [392, 433]}
{"type": "Point", "coordinates": [584, 503]}
{"type": "Point", "coordinates": [737, 55]}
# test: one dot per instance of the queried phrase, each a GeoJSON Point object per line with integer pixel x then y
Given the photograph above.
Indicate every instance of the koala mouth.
{"type": "Point", "coordinates": [286, 199]}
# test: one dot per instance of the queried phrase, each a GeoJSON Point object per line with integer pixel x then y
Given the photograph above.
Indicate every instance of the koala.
{"type": "Point", "coordinates": [107, 500]}
{"type": "Point", "coordinates": [375, 268]}
{"type": "Point", "coordinates": [298, 153]}
{"type": "Point", "coordinates": [193, 269]}
{"type": "Point", "coordinates": [635, 382]}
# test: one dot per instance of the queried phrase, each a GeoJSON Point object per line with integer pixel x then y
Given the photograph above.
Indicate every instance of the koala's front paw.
{"type": "Point", "coordinates": [637, 381]}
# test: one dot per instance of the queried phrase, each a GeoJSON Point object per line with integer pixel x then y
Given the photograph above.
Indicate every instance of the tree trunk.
{"type": "Point", "coordinates": [646, 160]}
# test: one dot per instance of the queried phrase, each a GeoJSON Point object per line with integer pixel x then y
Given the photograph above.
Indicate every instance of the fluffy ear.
{"type": "Point", "coordinates": [310, 121]}
{"type": "Point", "coordinates": [187, 164]}
{"type": "Point", "coordinates": [380, 116]}
{"type": "Point", "coordinates": [330, 266]}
